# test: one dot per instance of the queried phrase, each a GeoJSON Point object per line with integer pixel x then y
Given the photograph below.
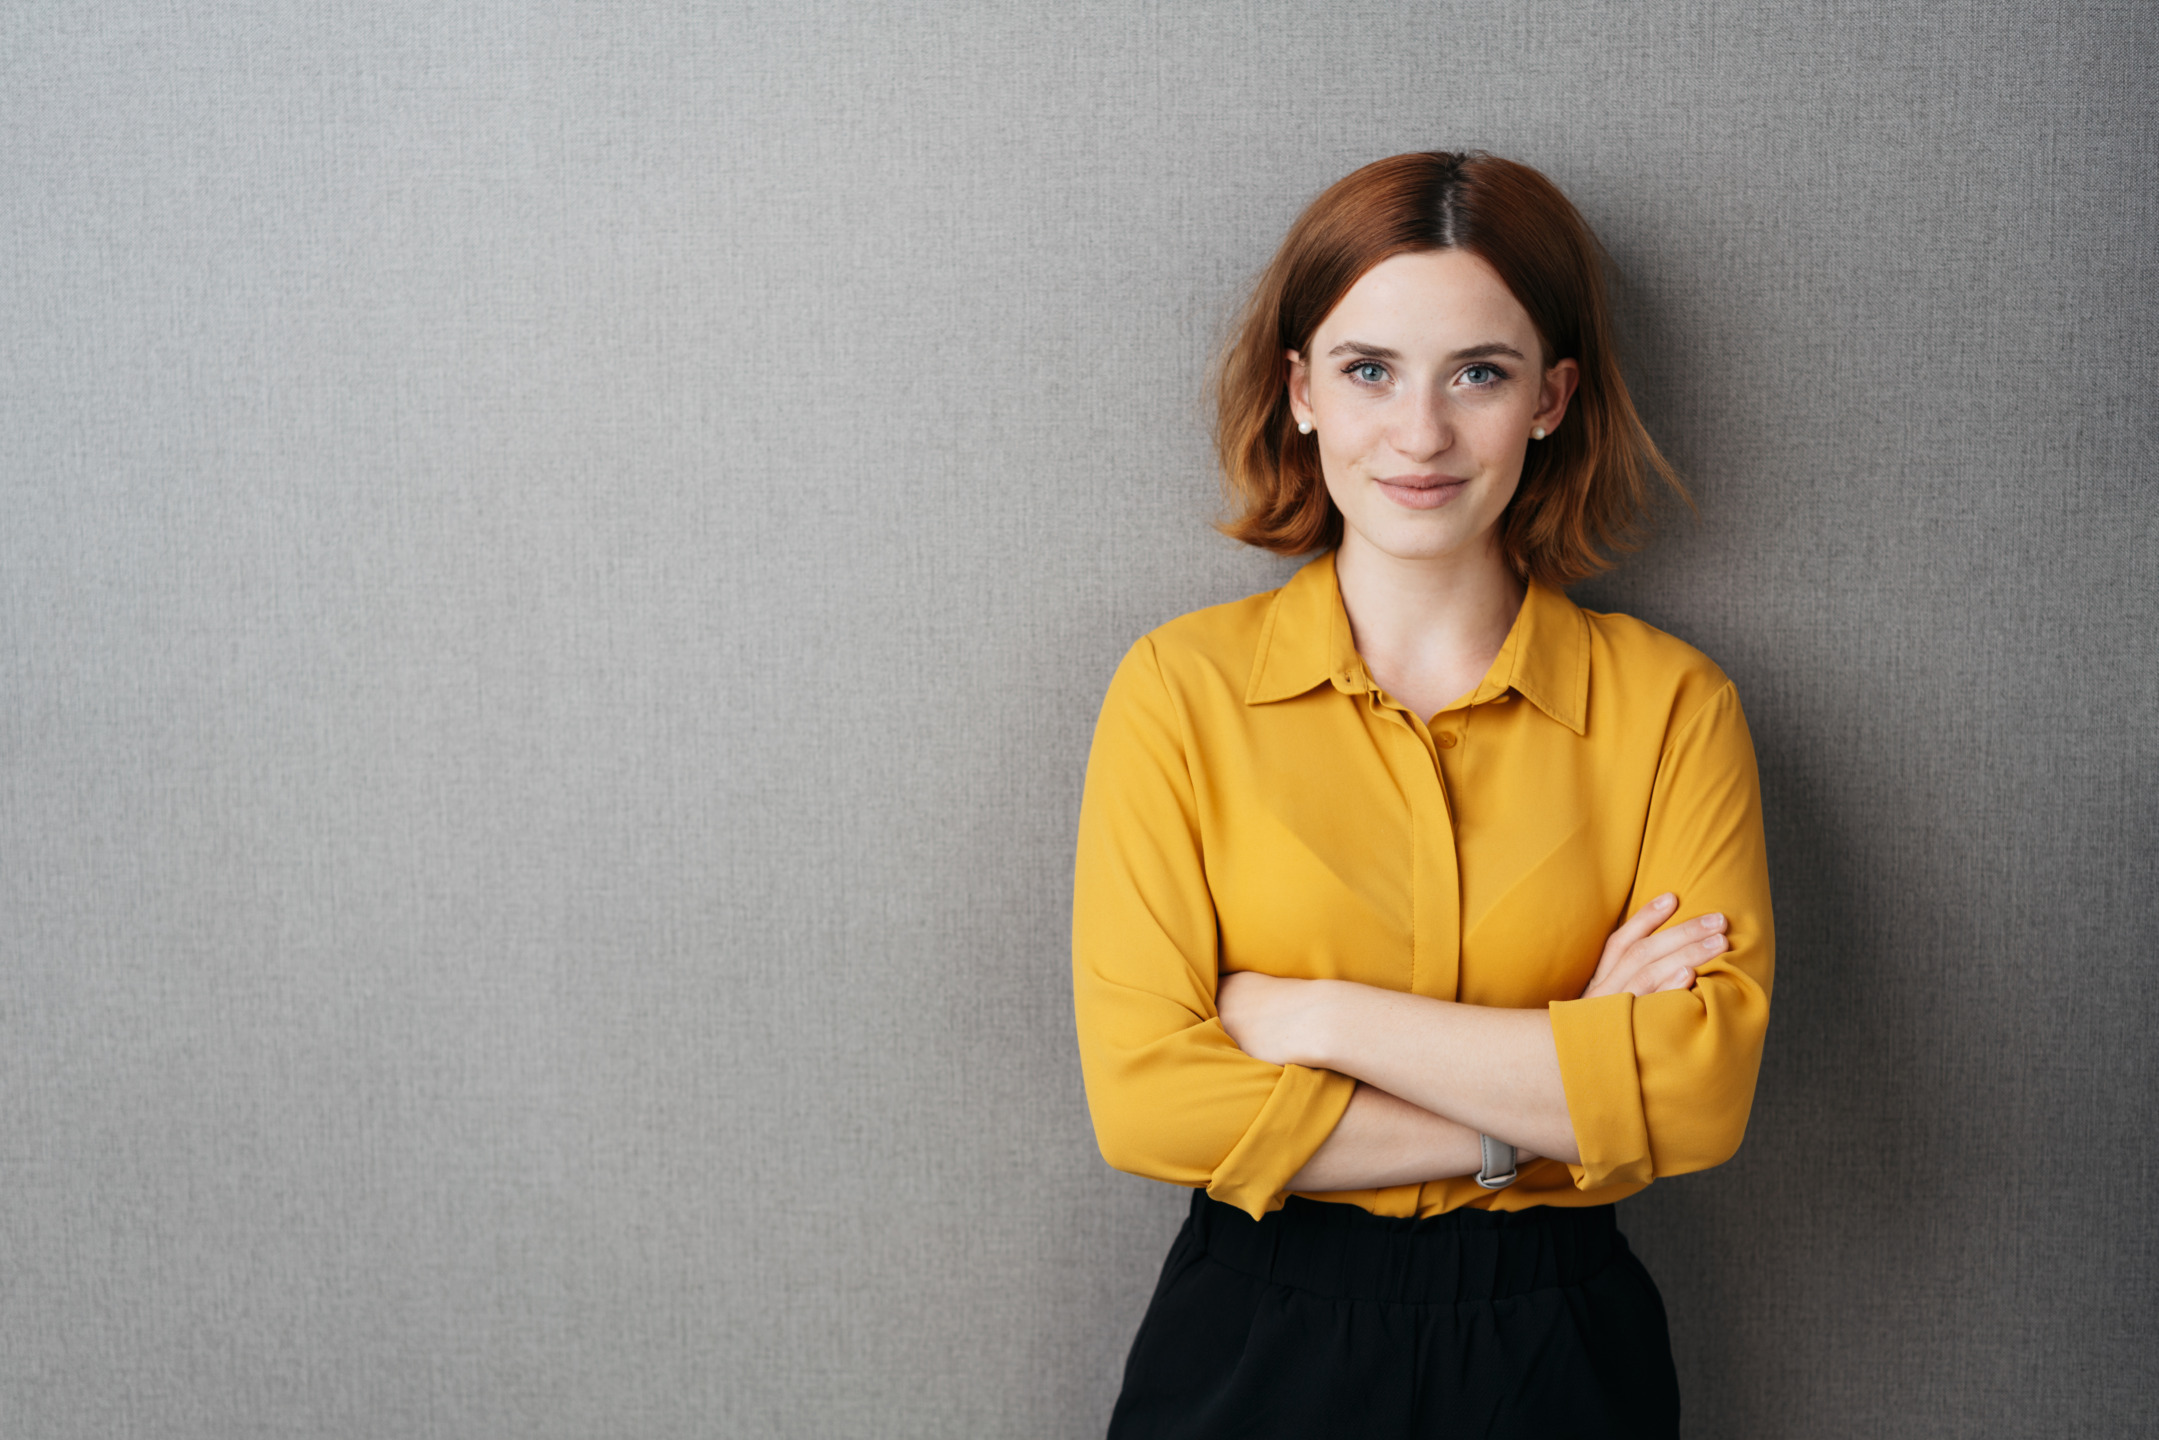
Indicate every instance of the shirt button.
{"type": "Point", "coordinates": [1446, 739]}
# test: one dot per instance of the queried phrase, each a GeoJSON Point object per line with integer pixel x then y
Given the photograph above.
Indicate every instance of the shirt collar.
{"type": "Point", "coordinates": [1305, 641]}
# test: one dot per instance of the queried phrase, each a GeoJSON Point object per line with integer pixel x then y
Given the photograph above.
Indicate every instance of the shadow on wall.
{"type": "Point", "coordinates": [1849, 1222]}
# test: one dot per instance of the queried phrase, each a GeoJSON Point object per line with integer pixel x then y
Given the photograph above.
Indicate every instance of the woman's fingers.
{"type": "Point", "coordinates": [1701, 930]}
{"type": "Point", "coordinates": [1648, 964]}
{"type": "Point", "coordinates": [1641, 959]}
{"type": "Point", "coordinates": [1641, 923]}
{"type": "Point", "coordinates": [1637, 926]}
{"type": "Point", "coordinates": [1675, 971]}
{"type": "Point", "coordinates": [1646, 919]}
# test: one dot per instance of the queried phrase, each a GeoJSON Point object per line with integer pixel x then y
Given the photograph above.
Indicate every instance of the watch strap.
{"type": "Point", "coordinates": [1498, 1172]}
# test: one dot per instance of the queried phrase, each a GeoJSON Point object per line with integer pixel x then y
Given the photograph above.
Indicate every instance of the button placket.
{"type": "Point", "coordinates": [1435, 873]}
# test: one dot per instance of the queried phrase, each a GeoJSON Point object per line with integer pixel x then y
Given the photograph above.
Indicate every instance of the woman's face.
{"type": "Point", "coordinates": [1422, 387]}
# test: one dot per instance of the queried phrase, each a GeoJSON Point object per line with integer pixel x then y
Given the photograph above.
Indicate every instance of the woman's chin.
{"type": "Point", "coordinates": [1432, 537]}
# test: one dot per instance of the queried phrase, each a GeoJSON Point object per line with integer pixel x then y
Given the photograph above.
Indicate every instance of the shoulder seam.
{"type": "Point", "coordinates": [1177, 714]}
{"type": "Point", "coordinates": [1694, 717]}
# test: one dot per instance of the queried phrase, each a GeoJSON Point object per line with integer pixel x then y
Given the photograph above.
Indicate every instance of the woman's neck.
{"type": "Point", "coordinates": [1427, 628]}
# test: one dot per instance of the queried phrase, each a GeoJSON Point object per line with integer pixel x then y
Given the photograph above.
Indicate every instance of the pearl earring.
{"type": "Point", "coordinates": [1537, 434]}
{"type": "Point", "coordinates": [1304, 427]}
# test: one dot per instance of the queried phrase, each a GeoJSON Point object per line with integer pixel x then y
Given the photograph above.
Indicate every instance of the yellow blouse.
{"type": "Point", "coordinates": [1255, 802]}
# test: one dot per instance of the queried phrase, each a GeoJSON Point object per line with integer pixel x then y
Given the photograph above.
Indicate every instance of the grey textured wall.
{"type": "Point", "coordinates": [557, 565]}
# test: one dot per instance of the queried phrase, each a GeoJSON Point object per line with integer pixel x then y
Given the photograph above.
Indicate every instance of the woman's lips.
{"type": "Point", "coordinates": [1421, 492]}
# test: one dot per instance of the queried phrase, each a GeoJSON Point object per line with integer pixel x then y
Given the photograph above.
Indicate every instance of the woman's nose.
{"type": "Point", "coordinates": [1424, 427]}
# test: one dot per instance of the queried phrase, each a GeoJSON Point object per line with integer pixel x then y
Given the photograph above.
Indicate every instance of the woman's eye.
{"type": "Point", "coordinates": [1370, 372]}
{"type": "Point", "coordinates": [1483, 375]}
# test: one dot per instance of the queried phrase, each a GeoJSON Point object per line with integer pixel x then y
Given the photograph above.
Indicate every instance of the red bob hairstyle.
{"type": "Point", "coordinates": [1583, 491]}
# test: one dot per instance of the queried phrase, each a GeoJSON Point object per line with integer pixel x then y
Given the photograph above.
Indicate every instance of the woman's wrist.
{"type": "Point", "coordinates": [1326, 1021]}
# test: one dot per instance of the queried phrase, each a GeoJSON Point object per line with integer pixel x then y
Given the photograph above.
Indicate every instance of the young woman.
{"type": "Point", "coordinates": [1419, 914]}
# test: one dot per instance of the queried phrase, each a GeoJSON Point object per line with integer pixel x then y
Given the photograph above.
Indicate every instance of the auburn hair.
{"type": "Point", "coordinates": [1583, 490]}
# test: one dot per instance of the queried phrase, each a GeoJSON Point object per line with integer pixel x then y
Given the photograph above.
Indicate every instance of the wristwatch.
{"type": "Point", "coordinates": [1498, 1171]}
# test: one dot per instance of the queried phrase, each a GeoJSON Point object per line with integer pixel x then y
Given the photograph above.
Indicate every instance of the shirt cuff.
{"type": "Point", "coordinates": [1300, 1113]}
{"type": "Point", "coordinates": [1595, 1039]}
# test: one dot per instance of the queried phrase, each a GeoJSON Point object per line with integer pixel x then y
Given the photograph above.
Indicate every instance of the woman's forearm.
{"type": "Point", "coordinates": [1488, 1070]}
{"type": "Point", "coordinates": [1382, 1139]}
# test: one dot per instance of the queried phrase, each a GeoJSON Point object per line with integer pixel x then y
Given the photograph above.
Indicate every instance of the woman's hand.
{"type": "Point", "coordinates": [1270, 1018]}
{"type": "Point", "coordinates": [1640, 959]}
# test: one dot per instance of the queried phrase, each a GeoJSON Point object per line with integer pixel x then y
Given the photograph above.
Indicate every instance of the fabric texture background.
{"type": "Point", "coordinates": [558, 564]}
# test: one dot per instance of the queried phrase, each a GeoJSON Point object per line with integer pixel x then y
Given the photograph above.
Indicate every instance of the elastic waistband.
{"type": "Point", "coordinates": [1464, 1255]}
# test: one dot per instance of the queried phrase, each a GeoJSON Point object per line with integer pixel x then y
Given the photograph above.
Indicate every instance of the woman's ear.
{"type": "Point", "coordinates": [1558, 389]}
{"type": "Point", "coordinates": [1300, 388]}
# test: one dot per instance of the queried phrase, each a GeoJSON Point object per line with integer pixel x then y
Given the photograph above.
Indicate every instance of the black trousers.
{"type": "Point", "coordinates": [1324, 1320]}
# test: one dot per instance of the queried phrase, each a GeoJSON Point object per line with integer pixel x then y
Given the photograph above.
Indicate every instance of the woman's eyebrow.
{"type": "Point", "coordinates": [1489, 347]}
{"type": "Point", "coordinates": [1381, 352]}
{"type": "Point", "coordinates": [1369, 352]}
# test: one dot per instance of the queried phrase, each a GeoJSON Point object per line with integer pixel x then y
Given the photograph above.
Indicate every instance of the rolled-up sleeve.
{"type": "Point", "coordinates": [1662, 1084]}
{"type": "Point", "coordinates": [1172, 1097]}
